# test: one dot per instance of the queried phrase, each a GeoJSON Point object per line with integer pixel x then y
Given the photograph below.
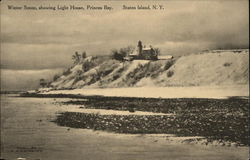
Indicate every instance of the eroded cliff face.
{"type": "Point", "coordinates": [208, 68]}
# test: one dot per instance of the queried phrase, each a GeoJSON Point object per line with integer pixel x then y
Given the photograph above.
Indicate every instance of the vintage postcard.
{"type": "Point", "coordinates": [124, 79]}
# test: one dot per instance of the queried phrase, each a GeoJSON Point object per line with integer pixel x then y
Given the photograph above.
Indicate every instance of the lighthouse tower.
{"type": "Point", "coordinates": [139, 47]}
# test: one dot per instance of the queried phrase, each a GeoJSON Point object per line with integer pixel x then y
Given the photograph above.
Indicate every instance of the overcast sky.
{"type": "Point", "coordinates": [47, 39]}
{"type": "Point", "coordinates": [33, 40]}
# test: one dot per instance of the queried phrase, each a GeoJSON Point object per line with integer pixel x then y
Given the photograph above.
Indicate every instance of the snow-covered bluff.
{"type": "Point", "coordinates": [225, 67]}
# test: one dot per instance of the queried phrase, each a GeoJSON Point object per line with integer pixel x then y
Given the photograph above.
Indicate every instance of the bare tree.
{"type": "Point", "coordinates": [43, 83]}
{"type": "Point", "coordinates": [122, 52]}
{"type": "Point", "coordinates": [157, 51]}
{"type": "Point", "coordinates": [84, 55]}
{"type": "Point", "coordinates": [76, 57]}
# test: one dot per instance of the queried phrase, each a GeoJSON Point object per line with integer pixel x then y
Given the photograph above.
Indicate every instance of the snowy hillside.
{"type": "Point", "coordinates": [225, 67]}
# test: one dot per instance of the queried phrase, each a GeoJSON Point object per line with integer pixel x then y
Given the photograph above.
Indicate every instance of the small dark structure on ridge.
{"type": "Point", "coordinates": [142, 53]}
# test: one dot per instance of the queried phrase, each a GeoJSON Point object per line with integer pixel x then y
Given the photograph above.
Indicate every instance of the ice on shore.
{"type": "Point", "coordinates": [163, 92]}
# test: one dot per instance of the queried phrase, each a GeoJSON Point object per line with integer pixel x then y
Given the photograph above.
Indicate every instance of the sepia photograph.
{"type": "Point", "coordinates": [124, 79]}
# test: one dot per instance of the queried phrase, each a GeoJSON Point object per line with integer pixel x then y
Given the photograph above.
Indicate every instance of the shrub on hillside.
{"type": "Point", "coordinates": [43, 83]}
{"type": "Point", "coordinates": [121, 53]}
{"type": "Point", "coordinates": [86, 66]}
{"type": "Point", "coordinates": [66, 72]}
{"type": "Point", "coordinates": [157, 68]}
{"type": "Point", "coordinates": [227, 64]}
{"type": "Point", "coordinates": [55, 77]}
{"type": "Point", "coordinates": [95, 61]}
{"type": "Point", "coordinates": [168, 64]}
{"type": "Point", "coordinates": [84, 55]}
{"type": "Point", "coordinates": [117, 56]}
{"type": "Point", "coordinates": [170, 73]}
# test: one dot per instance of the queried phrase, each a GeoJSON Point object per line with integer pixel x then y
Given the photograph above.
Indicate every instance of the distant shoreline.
{"type": "Point", "coordinates": [12, 92]}
{"type": "Point", "coordinates": [78, 96]}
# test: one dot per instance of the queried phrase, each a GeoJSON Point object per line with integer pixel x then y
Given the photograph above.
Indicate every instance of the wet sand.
{"type": "Point", "coordinates": [27, 132]}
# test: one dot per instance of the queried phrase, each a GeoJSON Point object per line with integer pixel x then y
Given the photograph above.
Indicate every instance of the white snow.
{"type": "Point", "coordinates": [164, 92]}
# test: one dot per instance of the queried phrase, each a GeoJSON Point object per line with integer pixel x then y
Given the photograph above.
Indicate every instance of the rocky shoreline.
{"type": "Point", "coordinates": [220, 121]}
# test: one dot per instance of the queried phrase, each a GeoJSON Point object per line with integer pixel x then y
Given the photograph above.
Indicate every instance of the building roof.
{"type": "Point", "coordinates": [165, 57]}
{"type": "Point", "coordinates": [145, 49]}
